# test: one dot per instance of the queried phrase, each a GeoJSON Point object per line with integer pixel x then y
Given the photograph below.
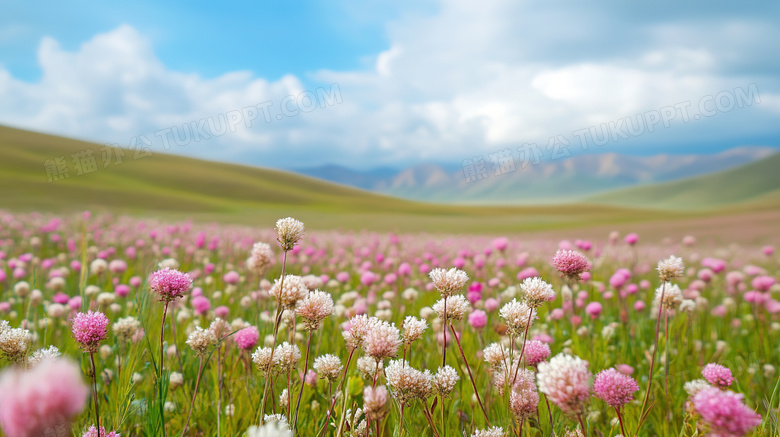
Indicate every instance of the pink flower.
{"type": "Point", "coordinates": [717, 375]}
{"type": "Point", "coordinates": [122, 290]}
{"type": "Point", "coordinates": [478, 319]}
{"type": "Point", "coordinates": [570, 263]}
{"type": "Point", "coordinates": [536, 352]}
{"type": "Point", "coordinates": [89, 329]}
{"type": "Point", "coordinates": [247, 338]}
{"type": "Point", "coordinates": [768, 250]}
{"type": "Point", "coordinates": [639, 305]}
{"type": "Point", "coordinates": [221, 311]}
{"type": "Point", "coordinates": [566, 382]}
{"type": "Point", "coordinates": [491, 304]}
{"type": "Point", "coordinates": [593, 310]}
{"type": "Point", "coordinates": [201, 305]}
{"type": "Point", "coordinates": [632, 239]}
{"type": "Point", "coordinates": [725, 413]}
{"type": "Point", "coordinates": [231, 277]}
{"type": "Point", "coordinates": [500, 243]}
{"type": "Point", "coordinates": [170, 284]}
{"type": "Point", "coordinates": [614, 388]}
{"type": "Point", "coordinates": [763, 283]}
{"type": "Point", "coordinates": [47, 397]}
{"type": "Point", "coordinates": [625, 369]}
{"type": "Point", "coordinates": [529, 272]}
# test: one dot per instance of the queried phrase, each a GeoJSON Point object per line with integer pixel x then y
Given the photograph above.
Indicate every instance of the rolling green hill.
{"type": "Point", "coordinates": [756, 185]}
{"type": "Point", "coordinates": [177, 187]}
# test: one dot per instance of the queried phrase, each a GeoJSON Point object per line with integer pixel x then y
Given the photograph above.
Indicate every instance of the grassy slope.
{"type": "Point", "coordinates": [756, 184]}
{"type": "Point", "coordinates": [176, 186]}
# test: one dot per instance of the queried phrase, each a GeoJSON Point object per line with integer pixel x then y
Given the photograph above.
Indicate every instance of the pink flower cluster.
{"type": "Point", "coordinates": [89, 329]}
{"type": "Point", "coordinates": [717, 375]}
{"type": "Point", "coordinates": [170, 284]}
{"type": "Point", "coordinates": [247, 338]}
{"type": "Point", "coordinates": [45, 398]}
{"type": "Point", "coordinates": [570, 263]}
{"type": "Point", "coordinates": [93, 432]}
{"type": "Point", "coordinates": [614, 388]}
{"type": "Point", "coordinates": [725, 413]}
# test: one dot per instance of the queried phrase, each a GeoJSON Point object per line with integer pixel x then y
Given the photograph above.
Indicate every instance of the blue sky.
{"type": "Point", "coordinates": [395, 83]}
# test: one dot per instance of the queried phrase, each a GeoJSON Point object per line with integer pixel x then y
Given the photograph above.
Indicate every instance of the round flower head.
{"type": "Point", "coordinates": [457, 307]}
{"type": "Point", "coordinates": [444, 380]}
{"type": "Point", "coordinates": [125, 328]}
{"type": "Point", "coordinates": [289, 355]}
{"type": "Point", "coordinates": [374, 400]}
{"type": "Point", "coordinates": [614, 388]}
{"type": "Point", "coordinates": [41, 355]}
{"type": "Point", "coordinates": [290, 292]}
{"type": "Point", "coordinates": [537, 291]}
{"type": "Point", "coordinates": [328, 367]}
{"type": "Point", "coordinates": [570, 263]}
{"type": "Point", "coordinates": [408, 383]}
{"type": "Point", "coordinates": [717, 375]}
{"type": "Point", "coordinates": [47, 397]}
{"type": "Point", "coordinates": [14, 343]}
{"type": "Point", "coordinates": [201, 340]}
{"type": "Point", "coordinates": [524, 397]}
{"type": "Point", "coordinates": [518, 316]}
{"type": "Point", "coordinates": [290, 232]}
{"type": "Point", "coordinates": [89, 329]}
{"type": "Point", "coordinates": [566, 382]}
{"type": "Point", "coordinates": [670, 268]}
{"type": "Point", "coordinates": [247, 338]}
{"type": "Point", "coordinates": [265, 360]}
{"type": "Point", "coordinates": [170, 284]}
{"type": "Point", "coordinates": [93, 432]}
{"type": "Point", "coordinates": [358, 328]}
{"type": "Point", "coordinates": [672, 296]}
{"type": "Point", "coordinates": [270, 429]}
{"type": "Point", "coordinates": [695, 386]}
{"type": "Point", "coordinates": [368, 367]}
{"type": "Point", "coordinates": [382, 341]}
{"type": "Point", "coordinates": [448, 282]}
{"type": "Point", "coordinates": [495, 431]}
{"type": "Point", "coordinates": [261, 257]}
{"type": "Point", "coordinates": [413, 329]}
{"type": "Point", "coordinates": [314, 308]}
{"type": "Point", "coordinates": [725, 413]}
{"type": "Point", "coordinates": [536, 352]}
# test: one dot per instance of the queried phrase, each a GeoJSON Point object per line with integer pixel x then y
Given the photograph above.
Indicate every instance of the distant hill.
{"type": "Point", "coordinates": [167, 185]}
{"type": "Point", "coordinates": [565, 180]}
{"type": "Point", "coordinates": [751, 184]}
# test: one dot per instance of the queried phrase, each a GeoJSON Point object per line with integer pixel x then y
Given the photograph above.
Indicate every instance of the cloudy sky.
{"type": "Point", "coordinates": [368, 84]}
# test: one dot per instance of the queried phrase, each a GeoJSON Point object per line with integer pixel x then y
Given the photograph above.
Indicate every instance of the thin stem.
{"type": "Point", "coordinates": [303, 383]}
{"type": "Point", "coordinates": [620, 419]}
{"type": "Point", "coordinates": [443, 422]}
{"type": "Point", "coordinates": [428, 417]}
{"type": "Point", "coordinates": [471, 377]}
{"type": "Point", "coordinates": [652, 361]}
{"type": "Point", "coordinates": [444, 337]}
{"type": "Point", "coordinates": [666, 356]}
{"type": "Point", "coordinates": [582, 425]}
{"type": "Point", "coordinates": [522, 349]}
{"type": "Point", "coordinates": [401, 422]}
{"type": "Point", "coordinates": [333, 400]}
{"type": "Point", "coordinates": [276, 332]}
{"type": "Point", "coordinates": [94, 391]}
{"type": "Point", "coordinates": [549, 411]}
{"type": "Point", "coordinates": [194, 393]}
{"type": "Point", "coordinates": [160, 375]}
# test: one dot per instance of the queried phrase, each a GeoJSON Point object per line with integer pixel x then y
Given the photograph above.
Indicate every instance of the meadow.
{"type": "Point", "coordinates": [191, 331]}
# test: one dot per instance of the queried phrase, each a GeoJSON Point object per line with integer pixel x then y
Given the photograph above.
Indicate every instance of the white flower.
{"type": "Point", "coordinates": [200, 340]}
{"type": "Point", "coordinates": [290, 232]}
{"type": "Point", "coordinates": [537, 291]}
{"type": "Point", "coordinates": [495, 431]}
{"type": "Point", "coordinates": [457, 306]}
{"type": "Point", "coordinates": [270, 429]}
{"type": "Point", "coordinates": [413, 329]}
{"type": "Point", "coordinates": [518, 316]}
{"type": "Point", "coordinates": [448, 282]}
{"type": "Point", "coordinates": [670, 268]}
{"type": "Point", "coordinates": [444, 380]}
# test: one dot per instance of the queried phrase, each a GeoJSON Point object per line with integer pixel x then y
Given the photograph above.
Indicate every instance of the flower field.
{"type": "Point", "coordinates": [123, 326]}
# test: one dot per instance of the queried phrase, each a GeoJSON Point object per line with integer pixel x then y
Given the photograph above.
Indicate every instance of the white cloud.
{"type": "Point", "coordinates": [467, 80]}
